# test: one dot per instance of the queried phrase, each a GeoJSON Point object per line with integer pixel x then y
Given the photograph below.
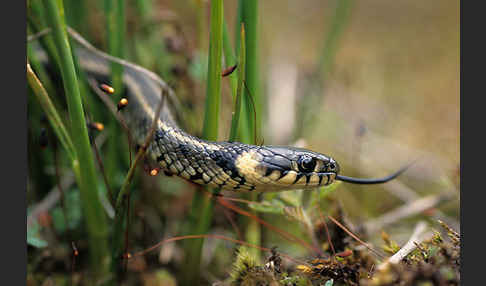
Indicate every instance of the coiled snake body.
{"type": "Point", "coordinates": [226, 165]}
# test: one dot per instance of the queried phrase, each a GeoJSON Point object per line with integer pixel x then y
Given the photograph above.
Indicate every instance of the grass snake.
{"type": "Point", "coordinates": [230, 166]}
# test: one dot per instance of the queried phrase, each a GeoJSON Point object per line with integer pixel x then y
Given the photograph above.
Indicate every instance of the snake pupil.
{"type": "Point", "coordinates": [307, 163]}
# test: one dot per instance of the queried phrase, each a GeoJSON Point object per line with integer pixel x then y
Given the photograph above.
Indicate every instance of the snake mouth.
{"type": "Point", "coordinates": [316, 179]}
{"type": "Point", "coordinates": [295, 180]}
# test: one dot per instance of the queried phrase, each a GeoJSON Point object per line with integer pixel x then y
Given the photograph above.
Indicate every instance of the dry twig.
{"type": "Point", "coordinates": [420, 234]}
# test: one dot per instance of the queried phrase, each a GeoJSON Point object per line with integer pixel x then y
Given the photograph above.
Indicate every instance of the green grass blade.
{"type": "Point", "coordinates": [241, 79]}
{"type": "Point", "coordinates": [92, 208]}
{"type": "Point", "coordinates": [40, 70]}
{"type": "Point", "coordinates": [51, 113]}
{"type": "Point", "coordinates": [307, 112]}
{"type": "Point", "coordinates": [76, 15]}
{"type": "Point", "coordinates": [144, 8]}
{"type": "Point", "coordinates": [124, 195]}
{"type": "Point", "coordinates": [229, 58]}
{"type": "Point", "coordinates": [239, 20]}
{"type": "Point", "coordinates": [202, 205]}
{"type": "Point", "coordinates": [251, 107]}
{"type": "Point", "coordinates": [213, 88]}
{"type": "Point", "coordinates": [115, 32]}
{"type": "Point", "coordinates": [37, 21]}
{"type": "Point", "coordinates": [251, 101]}
{"type": "Point", "coordinates": [335, 31]}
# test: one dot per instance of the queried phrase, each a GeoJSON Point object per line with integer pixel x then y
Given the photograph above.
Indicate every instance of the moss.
{"type": "Point", "coordinates": [434, 262]}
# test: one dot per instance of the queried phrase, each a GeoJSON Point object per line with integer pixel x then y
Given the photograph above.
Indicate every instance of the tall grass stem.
{"type": "Point", "coordinates": [239, 91]}
{"type": "Point", "coordinates": [92, 209]}
{"type": "Point", "coordinates": [251, 99]}
{"type": "Point", "coordinates": [51, 113]}
{"type": "Point", "coordinates": [115, 32]}
{"type": "Point", "coordinates": [202, 206]}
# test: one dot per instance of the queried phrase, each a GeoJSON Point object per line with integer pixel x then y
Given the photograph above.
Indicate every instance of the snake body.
{"type": "Point", "coordinates": [230, 166]}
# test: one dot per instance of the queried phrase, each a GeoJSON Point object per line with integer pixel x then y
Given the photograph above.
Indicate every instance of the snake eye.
{"type": "Point", "coordinates": [306, 164]}
{"type": "Point", "coordinates": [332, 166]}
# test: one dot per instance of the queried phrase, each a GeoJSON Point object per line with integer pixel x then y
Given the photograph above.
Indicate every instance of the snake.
{"type": "Point", "coordinates": [230, 166]}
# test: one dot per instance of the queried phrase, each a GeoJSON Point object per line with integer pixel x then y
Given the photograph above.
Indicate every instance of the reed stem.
{"type": "Point", "coordinates": [202, 206]}
{"type": "Point", "coordinates": [87, 180]}
{"type": "Point", "coordinates": [241, 81]}
{"type": "Point", "coordinates": [251, 100]}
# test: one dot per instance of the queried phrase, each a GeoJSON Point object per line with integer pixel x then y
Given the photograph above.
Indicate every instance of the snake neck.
{"type": "Point", "coordinates": [200, 161]}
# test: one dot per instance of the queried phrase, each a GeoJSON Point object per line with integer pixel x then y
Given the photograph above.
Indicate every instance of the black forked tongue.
{"type": "Point", "coordinates": [362, 181]}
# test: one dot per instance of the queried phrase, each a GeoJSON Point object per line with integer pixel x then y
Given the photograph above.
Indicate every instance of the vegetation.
{"type": "Point", "coordinates": [98, 214]}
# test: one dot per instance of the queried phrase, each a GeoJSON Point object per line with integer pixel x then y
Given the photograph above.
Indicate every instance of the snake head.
{"type": "Point", "coordinates": [289, 168]}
